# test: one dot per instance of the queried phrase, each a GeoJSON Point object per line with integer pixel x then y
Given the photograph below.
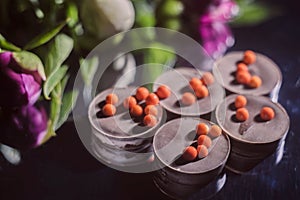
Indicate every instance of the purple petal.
{"type": "Point", "coordinates": [18, 88]}
{"type": "Point", "coordinates": [5, 58]}
{"type": "Point", "coordinates": [24, 127]}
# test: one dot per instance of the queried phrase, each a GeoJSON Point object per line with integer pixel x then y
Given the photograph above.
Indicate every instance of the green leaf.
{"type": "Point", "coordinates": [45, 37]}
{"type": "Point", "coordinates": [30, 62]}
{"type": "Point", "coordinates": [53, 80]}
{"type": "Point", "coordinates": [7, 45]}
{"type": "Point", "coordinates": [54, 112]}
{"type": "Point", "coordinates": [60, 49]}
{"type": "Point", "coordinates": [72, 14]}
{"type": "Point", "coordinates": [88, 68]}
{"type": "Point", "coordinates": [64, 82]}
{"type": "Point", "coordinates": [55, 105]}
{"type": "Point", "coordinates": [50, 132]}
{"type": "Point", "coordinates": [254, 13]}
{"type": "Point", "coordinates": [68, 103]}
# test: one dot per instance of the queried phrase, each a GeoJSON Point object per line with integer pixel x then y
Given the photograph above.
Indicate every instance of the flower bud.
{"type": "Point", "coordinates": [18, 86]}
{"type": "Point", "coordinates": [104, 18]}
{"type": "Point", "coordinates": [23, 127]}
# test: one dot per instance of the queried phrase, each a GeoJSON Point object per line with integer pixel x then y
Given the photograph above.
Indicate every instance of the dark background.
{"type": "Point", "coordinates": [63, 169]}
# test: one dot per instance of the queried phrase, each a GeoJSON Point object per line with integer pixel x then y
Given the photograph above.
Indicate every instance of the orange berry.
{"type": "Point", "coordinates": [188, 99]}
{"type": "Point", "coordinates": [267, 113]}
{"type": "Point", "coordinates": [195, 82]}
{"type": "Point", "coordinates": [249, 57]}
{"type": "Point", "coordinates": [152, 99]}
{"type": "Point", "coordinates": [240, 101]}
{"type": "Point", "coordinates": [151, 109]}
{"type": "Point", "coordinates": [215, 131]}
{"type": "Point", "coordinates": [150, 120]}
{"type": "Point", "coordinates": [242, 67]}
{"type": "Point", "coordinates": [243, 77]}
{"type": "Point", "coordinates": [136, 110]}
{"type": "Point", "coordinates": [109, 110]}
{"type": "Point", "coordinates": [141, 93]}
{"type": "Point", "coordinates": [190, 153]}
{"type": "Point", "coordinates": [129, 102]}
{"type": "Point", "coordinates": [255, 82]}
{"type": "Point", "coordinates": [207, 78]}
{"type": "Point", "coordinates": [202, 129]}
{"type": "Point", "coordinates": [205, 140]}
{"type": "Point", "coordinates": [163, 92]}
{"type": "Point", "coordinates": [242, 114]}
{"type": "Point", "coordinates": [201, 91]}
{"type": "Point", "coordinates": [112, 99]}
{"type": "Point", "coordinates": [202, 151]}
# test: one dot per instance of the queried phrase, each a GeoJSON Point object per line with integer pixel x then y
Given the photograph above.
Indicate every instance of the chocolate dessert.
{"type": "Point", "coordinates": [254, 139]}
{"type": "Point", "coordinates": [178, 178]}
{"type": "Point", "coordinates": [178, 82]}
{"type": "Point", "coordinates": [225, 72]}
{"type": "Point", "coordinates": [118, 139]}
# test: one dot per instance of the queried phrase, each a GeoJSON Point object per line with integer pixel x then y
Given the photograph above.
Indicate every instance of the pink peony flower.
{"type": "Point", "coordinates": [214, 31]}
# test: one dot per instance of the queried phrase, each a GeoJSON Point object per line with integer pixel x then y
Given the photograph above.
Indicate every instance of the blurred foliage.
{"type": "Point", "coordinates": [252, 12]}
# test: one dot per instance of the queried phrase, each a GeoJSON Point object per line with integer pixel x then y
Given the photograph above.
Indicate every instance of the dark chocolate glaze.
{"type": "Point", "coordinates": [254, 130]}
{"type": "Point", "coordinates": [224, 70]}
{"type": "Point", "coordinates": [172, 138]}
{"type": "Point", "coordinates": [121, 125]}
{"type": "Point", "coordinates": [254, 140]}
{"type": "Point", "coordinates": [178, 81]}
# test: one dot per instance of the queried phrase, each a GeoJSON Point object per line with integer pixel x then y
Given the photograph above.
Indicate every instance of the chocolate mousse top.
{"type": "Point", "coordinates": [254, 129]}
{"type": "Point", "coordinates": [225, 69]}
{"type": "Point", "coordinates": [178, 81]}
{"type": "Point", "coordinates": [121, 125]}
{"type": "Point", "coordinates": [173, 137]}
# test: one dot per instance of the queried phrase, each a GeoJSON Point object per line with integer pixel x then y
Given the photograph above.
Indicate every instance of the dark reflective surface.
{"type": "Point", "coordinates": [63, 169]}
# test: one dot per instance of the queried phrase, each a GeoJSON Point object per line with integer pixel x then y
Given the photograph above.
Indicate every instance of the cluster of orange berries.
{"type": "Point", "coordinates": [242, 73]}
{"type": "Point", "coordinates": [199, 86]}
{"type": "Point", "coordinates": [242, 114]}
{"type": "Point", "coordinates": [135, 109]}
{"type": "Point", "coordinates": [204, 141]}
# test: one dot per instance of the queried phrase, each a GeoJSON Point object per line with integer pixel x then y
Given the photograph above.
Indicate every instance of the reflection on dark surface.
{"type": "Point", "coordinates": [63, 169]}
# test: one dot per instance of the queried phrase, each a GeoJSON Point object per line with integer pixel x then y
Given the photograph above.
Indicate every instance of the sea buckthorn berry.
{"type": "Point", "coordinates": [201, 91]}
{"type": "Point", "coordinates": [240, 101]}
{"type": "Point", "coordinates": [129, 102]}
{"type": "Point", "coordinates": [255, 82]}
{"type": "Point", "coordinates": [242, 67]}
{"type": "Point", "coordinates": [163, 92]}
{"type": "Point", "coordinates": [202, 151]}
{"type": "Point", "coordinates": [112, 99]}
{"type": "Point", "coordinates": [195, 82]}
{"type": "Point", "coordinates": [151, 109]}
{"type": "Point", "coordinates": [267, 113]}
{"type": "Point", "coordinates": [152, 99]}
{"type": "Point", "coordinates": [205, 140]}
{"type": "Point", "coordinates": [249, 57]}
{"type": "Point", "coordinates": [202, 129]}
{"type": "Point", "coordinates": [136, 110]}
{"type": "Point", "coordinates": [207, 78]}
{"type": "Point", "coordinates": [188, 99]}
{"type": "Point", "coordinates": [215, 131]}
{"type": "Point", "coordinates": [190, 153]}
{"type": "Point", "coordinates": [243, 77]}
{"type": "Point", "coordinates": [150, 120]}
{"type": "Point", "coordinates": [242, 114]}
{"type": "Point", "coordinates": [109, 110]}
{"type": "Point", "coordinates": [141, 93]}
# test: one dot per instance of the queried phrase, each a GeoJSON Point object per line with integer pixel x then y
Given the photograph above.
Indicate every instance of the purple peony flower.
{"type": "Point", "coordinates": [215, 33]}
{"type": "Point", "coordinates": [23, 127]}
{"type": "Point", "coordinates": [18, 87]}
